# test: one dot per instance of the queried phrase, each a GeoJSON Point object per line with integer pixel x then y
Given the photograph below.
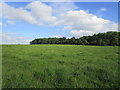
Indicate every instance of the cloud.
{"type": "Point", "coordinates": [15, 14]}
{"type": "Point", "coordinates": [79, 33]}
{"type": "Point", "coordinates": [62, 7]}
{"type": "Point", "coordinates": [1, 24]}
{"type": "Point", "coordinates": [103, 9]}
{"type": "Point", "coordinates": [67, 28]}
{"type": "Point", "coordinates": [38, 13]}
{"type": "Point", "coordinates": [10, 22]}
{"type": "Point", "coordinates": [81, 22]}
{"type": "Point", "coordinates": [10, 38]}
{"type": "Point", "coordinates": [41, 12]}
{"type": "Point", "coordinates": [56, 36]}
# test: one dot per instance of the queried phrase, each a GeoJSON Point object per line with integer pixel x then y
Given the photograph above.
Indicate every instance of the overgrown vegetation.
{"type": "Point", "coordinates": [102, 39]}
{"type": "Point", "coordinates": [59, 66]}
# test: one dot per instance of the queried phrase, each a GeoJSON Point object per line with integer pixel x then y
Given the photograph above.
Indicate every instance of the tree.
{"type": "Point", "coordinates": [101, 39]}
{"type": "Point", "coordinates": [100, 42]}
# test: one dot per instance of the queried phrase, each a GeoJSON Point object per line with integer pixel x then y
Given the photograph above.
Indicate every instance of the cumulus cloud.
{"type": "Point", "coordinates": [78, 33]}
{"type": "Point", "coordinates": [62, 7]}
{"type": "Point", "coordinates": [67, 27]}
{"type": "Point", "coordinates": [81, 22]}
{"type": "Point", "coordinates": [10, 38]}
{"type": "Point", "coordinates": [41, 12]}
{"type": "Point", "coordinates": [38, 14]}
{"type": "Point", "coordinates": [15, 14]}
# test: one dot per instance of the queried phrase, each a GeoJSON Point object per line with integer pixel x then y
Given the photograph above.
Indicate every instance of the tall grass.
{"type": "Point", "coordinates": [59, 66]}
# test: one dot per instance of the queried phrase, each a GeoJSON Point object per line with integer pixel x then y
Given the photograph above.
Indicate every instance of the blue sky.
{"type": "Point", "coordinates": [38, 20]}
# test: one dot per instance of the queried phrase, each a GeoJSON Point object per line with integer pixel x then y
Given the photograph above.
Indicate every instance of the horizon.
{"type": "Point", "coordinates": [25, 21]}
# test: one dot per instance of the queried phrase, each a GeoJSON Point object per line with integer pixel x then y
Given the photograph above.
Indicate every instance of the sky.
{"type": "Point", "coordinates": [22, 22]}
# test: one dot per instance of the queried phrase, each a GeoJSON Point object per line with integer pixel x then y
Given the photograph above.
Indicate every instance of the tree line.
{"type": "Point", "coordinates": [110, 38]}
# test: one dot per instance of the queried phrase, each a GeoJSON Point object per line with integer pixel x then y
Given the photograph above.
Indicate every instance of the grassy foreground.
{"type": "Point", "coordinates": [59, 66]}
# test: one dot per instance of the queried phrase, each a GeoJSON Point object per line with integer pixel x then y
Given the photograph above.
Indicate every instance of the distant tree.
{"type": "Point", "coordinates": [102, 39]}
{"type": "Point", "coordinates": [100, 42]}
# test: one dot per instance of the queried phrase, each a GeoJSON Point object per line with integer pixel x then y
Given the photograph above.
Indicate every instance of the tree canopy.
{"type": "Point", "coordinates": [101, 39]}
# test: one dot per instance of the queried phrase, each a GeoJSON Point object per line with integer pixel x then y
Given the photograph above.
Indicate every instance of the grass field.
{"type": "Point", "coordinates": [59, 66]}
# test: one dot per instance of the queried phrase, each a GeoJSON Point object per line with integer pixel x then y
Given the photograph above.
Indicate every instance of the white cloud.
{"type": "Point", "coordinates": [16, 14]}
{"type": "Point", "coordinates": [81, 22]}
{"type": "Point", "coordinates": [56, 36]}
{"type": "Point", "coordinates": [79, 33]}
{"type": "Point", "coordinates": [62, 7]}
{"type": "Point", "coordinates": [10, 22]}
{"type": "Point", "coordinates": [67, 28]}
{"type": "Point", "coordinates": [103, 9]}
{"type": "Point", "coordinates": [10, 38]}
{"type": "Point", "coordinates": [41, 12]}
{"type": "Point", "coordinates": [101, 12]}
{"type": "Point", "coordinates": [1, 24]}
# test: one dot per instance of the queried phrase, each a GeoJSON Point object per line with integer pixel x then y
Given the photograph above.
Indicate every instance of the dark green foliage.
{"type": "Point", "coordinates": [102, 39]}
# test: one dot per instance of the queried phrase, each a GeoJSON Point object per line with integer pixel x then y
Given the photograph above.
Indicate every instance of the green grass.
{"type": "Point", "coordinates": [59, 66]}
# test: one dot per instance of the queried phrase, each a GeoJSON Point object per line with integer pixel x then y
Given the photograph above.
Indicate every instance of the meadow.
{"type": "Point", "coordinates": [59, 66]}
